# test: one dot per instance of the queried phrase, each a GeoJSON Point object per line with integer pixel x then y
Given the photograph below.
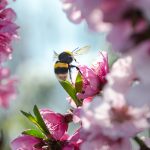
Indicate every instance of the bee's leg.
{"type": "Point", "coordinates": [70, 75]}
{"type": "Point", "coordinates": [72, 66]}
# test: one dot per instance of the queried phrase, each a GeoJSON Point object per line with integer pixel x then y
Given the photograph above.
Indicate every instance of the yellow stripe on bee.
{"type": "Point", "coordinates": [61, 65]}
{"type": "Point", "coordinates": [68, 52]}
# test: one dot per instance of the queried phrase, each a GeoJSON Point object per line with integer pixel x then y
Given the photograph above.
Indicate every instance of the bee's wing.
{"type": "Point", "coordinates": [55, 55]}
{"type": "Point", "coordinates": [81, 51]}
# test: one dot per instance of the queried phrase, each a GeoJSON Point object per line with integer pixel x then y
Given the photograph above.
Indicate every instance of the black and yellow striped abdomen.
{"type": "Point", "coordinates": [61, 67]}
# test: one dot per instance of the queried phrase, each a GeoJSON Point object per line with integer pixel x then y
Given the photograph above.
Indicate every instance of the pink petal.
{"type": "Point", "coordinates": [55, 123]}
{"type": "Point", "coordinates": [24, 142]}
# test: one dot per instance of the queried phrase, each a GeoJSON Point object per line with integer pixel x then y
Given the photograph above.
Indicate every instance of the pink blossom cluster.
{"type": "Point", "coordinates": [114, 102]}
{"type": "Point", "coordinates": [57, 125]}
{"type": "Point", "coordinates": [8, 31]}
{"type": "Point", "coordinates": [128, 17]}
{"type": "Point", "coordinates": [121, 109]}
{"type": "Point", "coordinates": [110, 120]}
{"type": "Point", "coordinates": [94, 76]}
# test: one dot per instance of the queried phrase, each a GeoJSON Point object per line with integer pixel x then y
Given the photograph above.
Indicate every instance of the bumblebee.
{"type": "Point", "coordinates": [63, 65]}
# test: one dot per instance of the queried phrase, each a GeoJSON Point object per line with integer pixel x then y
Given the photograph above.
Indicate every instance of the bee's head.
{"type": "Point", "coordinates": [66, 57]}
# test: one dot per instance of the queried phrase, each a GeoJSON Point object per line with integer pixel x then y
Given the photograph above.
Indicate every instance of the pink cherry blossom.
{"type": "Point", "coordinates": [78, 10]}
{"type": "Point", "coordinates": [125, 121]}
{"type": "Point", "coordinates": [55, 122]}
{"type": "Point", "coordinates": [66, 142]}
{"type": "Point", "coordinates": [122, 34]}
{"type": "Point", "coordinates": [91, 83]}
{"type": "Point", "coordinates": [94, 77]}
{"type": "Point", "coordinates": [8, 31]}
{"type": "Point", "coordinates": [94, 118]}
{"type": "Point", "coordinates": [113, 120]}
{"type": "Point", "coordinates": [7, 87]}
{"type": "Point", "coordinates": [119, 81]}
{"type": "Point", "coordinates": [25, 142]}
{"type": "Point", "coordinates": [126, 32]}
{"type": "Point", "coordinates": [128, 79]}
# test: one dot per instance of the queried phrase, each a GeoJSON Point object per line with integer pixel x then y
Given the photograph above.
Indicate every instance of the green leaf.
{"type": "Point", "coordinates": [40, 120]}
{"type": "Point", "coordinates": [68, 87]}
{"type": "Point", "coordinates": [29, 116]}
{"type": "Point", "coordinates": [35, 133]}
{"type": "Point", "coordinates": [79, 83]}
{"type": "Point", "coordinates": [32, 119]}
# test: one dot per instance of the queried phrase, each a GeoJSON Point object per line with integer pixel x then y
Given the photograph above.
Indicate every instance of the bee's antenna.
{"type": "Point", "coordinates": [75, 49]}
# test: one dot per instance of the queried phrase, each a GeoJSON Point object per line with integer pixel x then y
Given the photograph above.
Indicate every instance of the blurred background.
{"type": "Point", "coordinates": [43, 29]}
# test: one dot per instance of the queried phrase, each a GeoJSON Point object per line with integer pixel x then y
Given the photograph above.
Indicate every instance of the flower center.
{"type": "Point", "coordinates": [120, 114]}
